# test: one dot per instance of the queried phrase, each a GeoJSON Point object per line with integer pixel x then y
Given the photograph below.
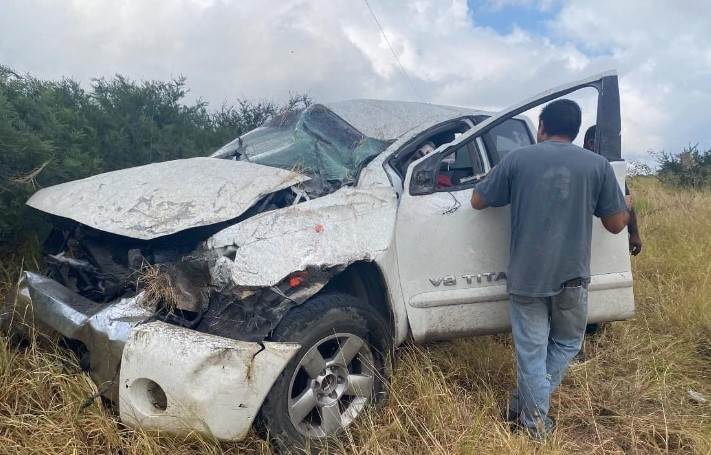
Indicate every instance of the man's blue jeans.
{"type": "Point", "coordinates": [547, 332]}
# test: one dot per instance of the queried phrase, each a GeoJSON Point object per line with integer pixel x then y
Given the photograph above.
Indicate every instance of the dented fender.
{"type": "Point", "coordinates": [335, 230]}
{"type": "Point", "coordinates": [178, 380]}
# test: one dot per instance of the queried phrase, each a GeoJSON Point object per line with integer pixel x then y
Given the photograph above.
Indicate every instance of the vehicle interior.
{"type": "Point", "coordinates": [462, 167]}
{"type": "Point", "coordinates": [459, 165]}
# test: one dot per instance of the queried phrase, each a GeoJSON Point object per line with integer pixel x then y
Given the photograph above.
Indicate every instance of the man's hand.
{"type": "Point", "coordinates": [635, 244]}
{"type": "Point", "coordinates": [634, 239]}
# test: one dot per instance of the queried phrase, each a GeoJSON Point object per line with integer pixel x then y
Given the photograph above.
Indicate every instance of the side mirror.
{"type": "Point", "coordinates": [423, 176]}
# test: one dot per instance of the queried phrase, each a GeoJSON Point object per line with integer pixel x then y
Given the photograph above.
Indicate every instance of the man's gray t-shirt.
{"type": "Point", "coordinates": [554, 189]}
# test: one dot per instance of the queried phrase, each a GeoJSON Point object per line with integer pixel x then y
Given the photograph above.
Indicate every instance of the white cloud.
{"type": "Point", "coordinates": [540, 4]}
{"type": "Point", "coordinates": [334, 50]}
{"type": "Point", "coordinates": [659, 48]}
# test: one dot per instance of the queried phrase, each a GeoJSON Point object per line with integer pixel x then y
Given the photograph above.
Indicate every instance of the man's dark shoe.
{"type": "Point", "coordinates": [579, 358]}
{"type": "Point", "coordinates": [512, 416]}
{"type": "Point", "coordinates": [538, 435]}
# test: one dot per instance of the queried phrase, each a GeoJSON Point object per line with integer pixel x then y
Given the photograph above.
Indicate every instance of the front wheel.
{"type": "Point", "coordinates": [338, 372]}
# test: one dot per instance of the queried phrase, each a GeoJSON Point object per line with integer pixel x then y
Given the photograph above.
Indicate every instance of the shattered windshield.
{"type": "Point", "coordinates": [314, 141]}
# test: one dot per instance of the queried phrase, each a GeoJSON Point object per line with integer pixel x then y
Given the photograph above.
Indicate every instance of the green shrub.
{"type": "Point", "coordinates": [690, 168]}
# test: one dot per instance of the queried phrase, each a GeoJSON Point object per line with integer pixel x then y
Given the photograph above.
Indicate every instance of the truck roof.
{"type": "Point", "coordinates": [386, 120]}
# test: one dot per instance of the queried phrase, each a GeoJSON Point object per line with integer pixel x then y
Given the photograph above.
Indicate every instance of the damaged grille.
{"type": "Point", "coordinates": [173, 273]}
{"type": "Point", "coordinates": [95, 269]}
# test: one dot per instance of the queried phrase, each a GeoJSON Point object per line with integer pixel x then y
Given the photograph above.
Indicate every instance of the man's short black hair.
{"type": "Point", "coordinates": [590, 135]}
{"type": "Point", "coordinates": [561, 117]}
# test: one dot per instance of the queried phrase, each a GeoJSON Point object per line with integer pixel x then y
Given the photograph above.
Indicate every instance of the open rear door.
{"type": "Point", "coordinates": [452, 259]}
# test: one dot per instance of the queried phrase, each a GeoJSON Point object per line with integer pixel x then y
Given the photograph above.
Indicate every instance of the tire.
{"type": "Point", "coordinates": [321, 391]}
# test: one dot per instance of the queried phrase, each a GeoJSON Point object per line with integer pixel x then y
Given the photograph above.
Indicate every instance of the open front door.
{"type": "Point", "coordinates": [453, 259]}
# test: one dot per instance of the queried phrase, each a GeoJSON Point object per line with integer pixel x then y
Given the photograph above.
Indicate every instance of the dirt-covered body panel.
{"type": "Point", "coordinates": [159, 199]}
{"type": "Point", "coordinates": [336, 230]}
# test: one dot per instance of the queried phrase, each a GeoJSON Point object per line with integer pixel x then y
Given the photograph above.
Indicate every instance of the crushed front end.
{"type": "Point", "coordinates": [162, 376]}
{"type": "Point", "coordinates": [168, 279]}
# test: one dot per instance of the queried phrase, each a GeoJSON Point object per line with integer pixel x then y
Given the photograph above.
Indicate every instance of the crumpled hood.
{"type": "Point", "coordinates": [158, 199]}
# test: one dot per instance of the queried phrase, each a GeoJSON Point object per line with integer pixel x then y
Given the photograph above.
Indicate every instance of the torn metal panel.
{"type": "Point", "coordinates": [251, 314]}
{"type": "Point", "coordinates": [179, 380]}
{"type": "Point", "coordinates": [338, 229]}
{"type": "Point", "coordinates": [102, 328]}
{"type": "Point", "coordinates": [154, 200]}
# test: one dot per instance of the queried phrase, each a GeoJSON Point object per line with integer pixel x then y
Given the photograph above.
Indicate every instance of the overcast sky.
{"type": "Point", "coordinates": [485, 54]}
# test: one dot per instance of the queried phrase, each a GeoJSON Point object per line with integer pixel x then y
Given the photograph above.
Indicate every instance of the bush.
{"type": "Point", "coordinates": [690, 168]}
{"type": "Point", "coordinates": [56, 131]}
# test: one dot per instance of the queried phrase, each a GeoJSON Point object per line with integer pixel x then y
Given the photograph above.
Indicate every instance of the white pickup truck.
{"type": "Point", "coordinates": [272, 280]}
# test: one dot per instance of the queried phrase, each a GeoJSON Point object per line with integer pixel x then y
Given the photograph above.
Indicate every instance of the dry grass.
{"type": "Point", "coordinates": [157, 287]}
{"type": "Point", "coordinates": [629, 397]}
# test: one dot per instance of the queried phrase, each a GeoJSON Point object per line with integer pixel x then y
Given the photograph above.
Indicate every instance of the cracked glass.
{"type": "Point", "coordinates": [313, 141]}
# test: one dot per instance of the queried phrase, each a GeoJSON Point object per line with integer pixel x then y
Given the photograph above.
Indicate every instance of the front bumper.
{"type": "Point", "coordinates": [163, 377]}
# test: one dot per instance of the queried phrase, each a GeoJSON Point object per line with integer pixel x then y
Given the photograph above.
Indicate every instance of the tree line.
{"type": "Point", "coordinates": [691, 168]}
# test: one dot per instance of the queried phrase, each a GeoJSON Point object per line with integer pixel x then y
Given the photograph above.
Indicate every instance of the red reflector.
{"type": "Point", "coordinates": [296, 281]}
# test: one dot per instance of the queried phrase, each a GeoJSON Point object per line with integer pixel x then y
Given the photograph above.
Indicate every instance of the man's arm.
{"type": "Point", "coordinates": [635, 241]}
{"type": "Point", "coordinates": [478, 201]}
{"type": "Point", "coordinates": [495, 188]}
{"type": "Point", "coordinates": [616, 222]}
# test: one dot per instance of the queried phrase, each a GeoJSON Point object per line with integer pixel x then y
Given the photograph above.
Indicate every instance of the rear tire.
{"type": "Point", "coordinates": [339, 371]}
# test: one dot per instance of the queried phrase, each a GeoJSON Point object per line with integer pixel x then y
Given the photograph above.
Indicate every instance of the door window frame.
{"type": "Point", "coordinates": [489, 141]}
{"type": "Point", "coordinates": [394, 161]}
{"type": "Point", "coordinates": [607, 136]}
{"type": "Point", "coordinates": [476, 158]}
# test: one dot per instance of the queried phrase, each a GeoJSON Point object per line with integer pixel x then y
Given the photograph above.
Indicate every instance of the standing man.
{"type": "Point", "coordinates": [554, 189]}
{"type": "Point", "coordinates": [634, 238]}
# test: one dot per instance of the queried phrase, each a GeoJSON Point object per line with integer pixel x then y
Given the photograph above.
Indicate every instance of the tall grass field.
{"type": "Point", "coordinates": [640, 391]}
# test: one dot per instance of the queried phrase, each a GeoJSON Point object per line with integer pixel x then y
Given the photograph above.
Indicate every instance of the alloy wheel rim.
{"type": "Point", "coordinates": [331, 385]}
